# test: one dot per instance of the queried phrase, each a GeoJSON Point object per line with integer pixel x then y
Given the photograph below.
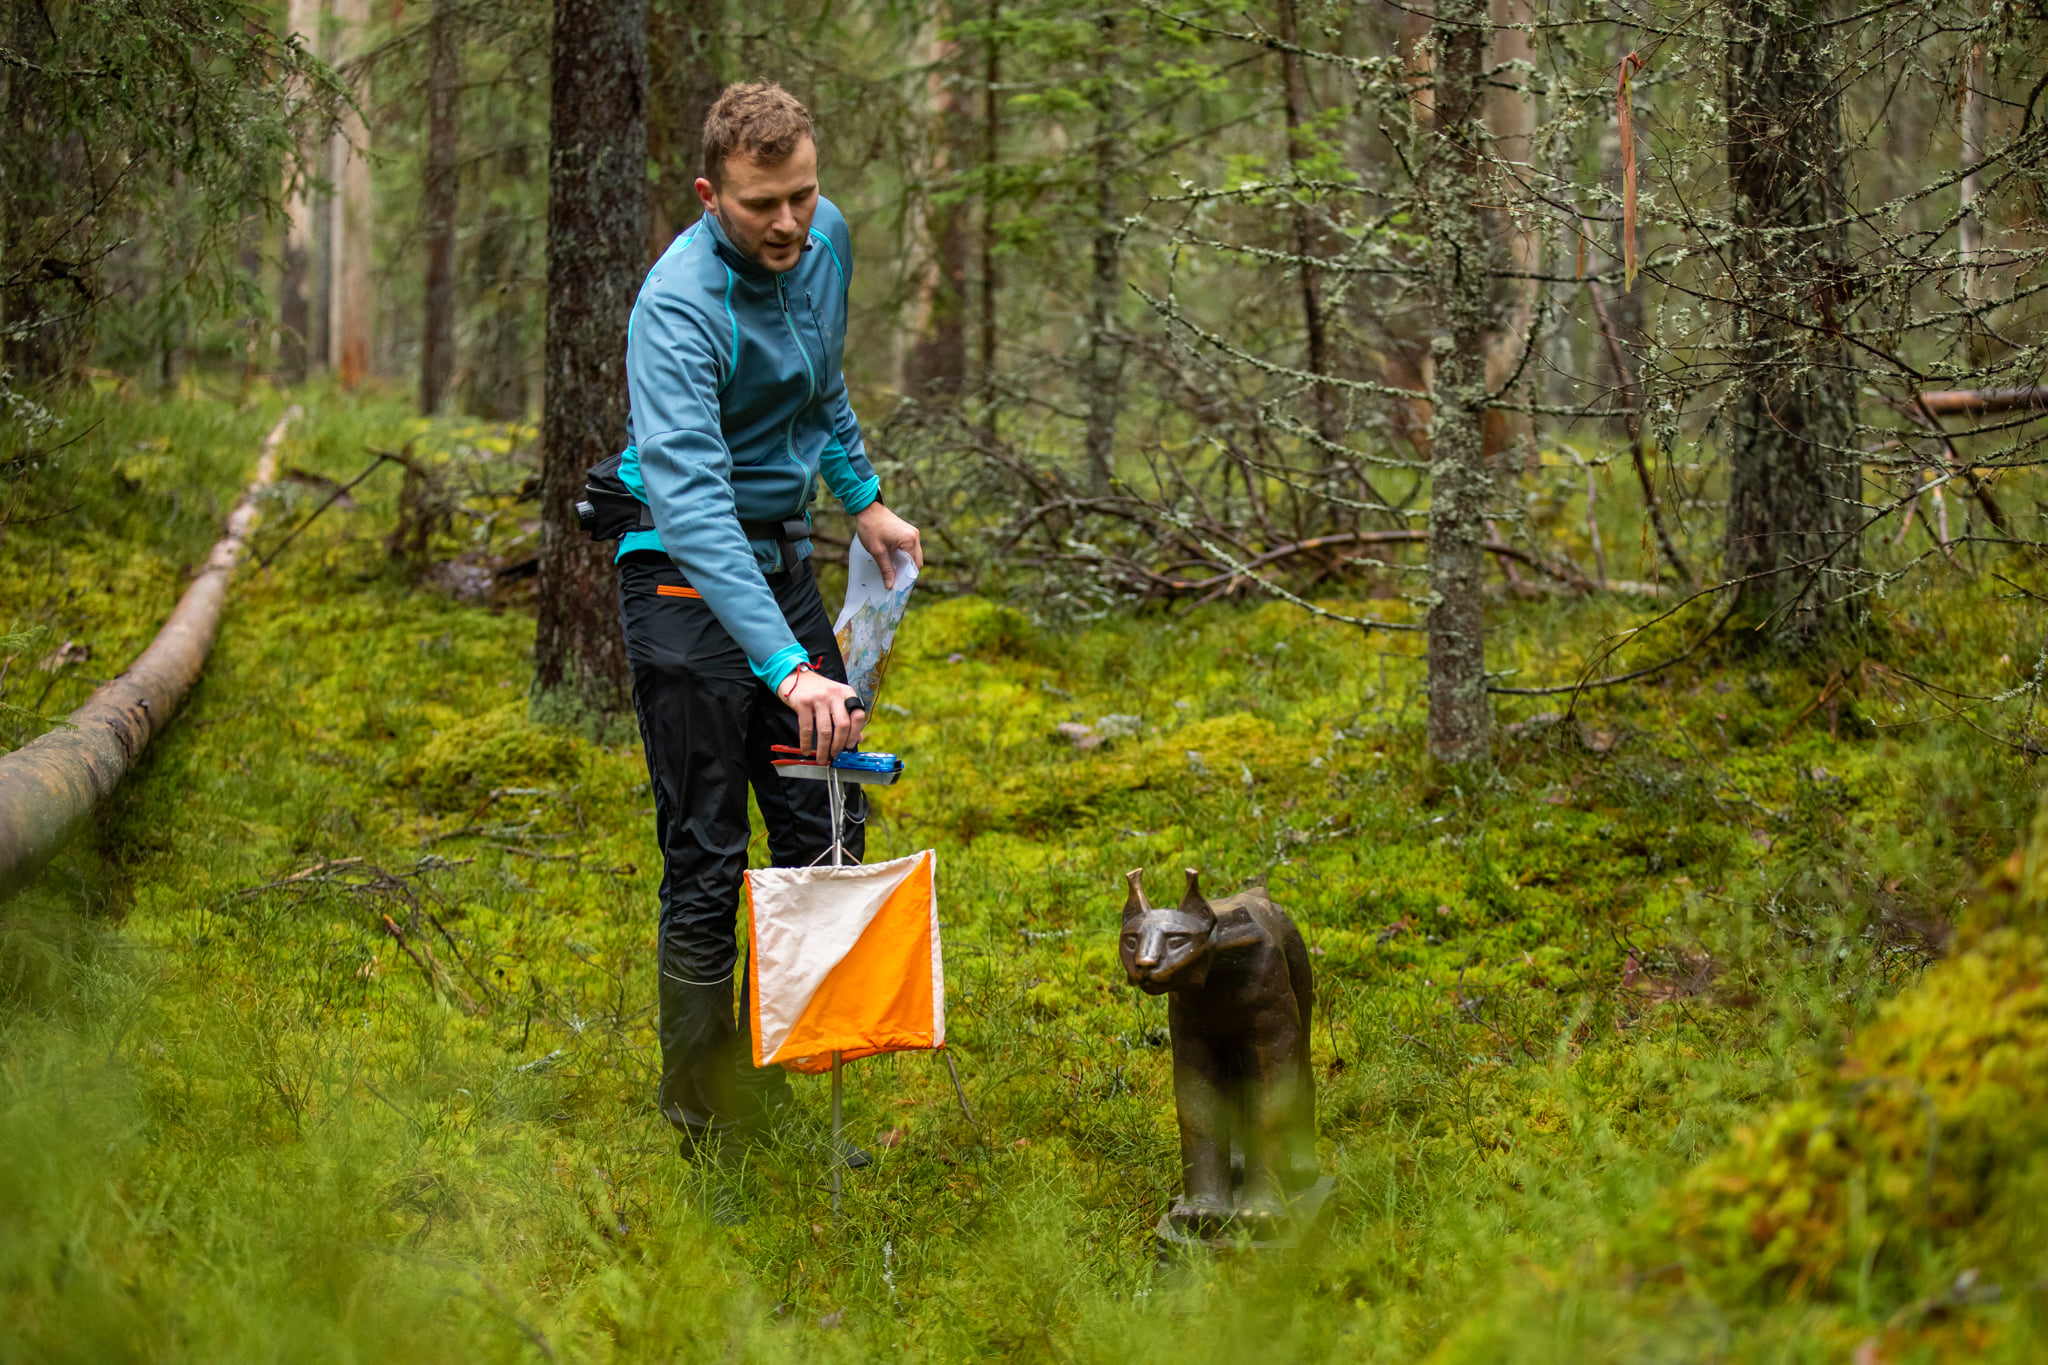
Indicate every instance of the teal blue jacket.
{"type": "Point", "coordinates": [739, 409]}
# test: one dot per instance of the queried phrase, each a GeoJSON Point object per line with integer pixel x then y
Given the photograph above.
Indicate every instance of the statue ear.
{"type": "Point", "coordinates": [1135, 905]}
{"type": "Point", "coordinates": [1194, 903]}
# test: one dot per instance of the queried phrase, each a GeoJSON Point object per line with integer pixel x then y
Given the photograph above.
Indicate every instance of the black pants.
{"type": "Point", "coordinates": [707, 723]}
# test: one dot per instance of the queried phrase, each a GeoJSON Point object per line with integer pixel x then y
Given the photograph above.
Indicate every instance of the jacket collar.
{"type": "Point", "coordinates": [739, 262]}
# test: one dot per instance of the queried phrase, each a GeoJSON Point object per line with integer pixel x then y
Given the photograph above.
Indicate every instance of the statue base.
{"type": "Point", "coordinates": [1307, 1210]}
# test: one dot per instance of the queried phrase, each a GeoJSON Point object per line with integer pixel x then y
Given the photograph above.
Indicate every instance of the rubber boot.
{"type": "Point", "coordinates": [710, 1089]}
{"type": "Point", "coordinates": [760, 1093]}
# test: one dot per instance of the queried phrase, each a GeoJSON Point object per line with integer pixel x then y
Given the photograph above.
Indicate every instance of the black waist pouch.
{"type": "Point", "coordinates": [608, 509]}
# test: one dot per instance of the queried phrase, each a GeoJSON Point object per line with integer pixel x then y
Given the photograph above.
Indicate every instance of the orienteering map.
{"type": "Point", "coordinates": [868, 621]}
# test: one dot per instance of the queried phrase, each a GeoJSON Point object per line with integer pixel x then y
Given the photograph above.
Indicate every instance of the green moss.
{"type": "Point", "coordinates": [500, 748]}
{"type": "Point", "coordinates": [317, 1048]}
{"type": "Point", "coordinates": [1894, 1206]}
{"type": "Point", "coordinates": [1906, 1156]}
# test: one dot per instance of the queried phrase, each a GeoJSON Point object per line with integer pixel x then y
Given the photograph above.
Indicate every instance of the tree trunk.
{"type": "Point", "coordinates": [1461, 299]}
{"type": "Point", "coordinates": [1294, 93]}
{"type": "Point", "coordinates": [351, 301]}
{"type": "Point", "coordinates": [1793, 469]}
{"type": "Point", "coordinates": [44, 333]}
{"type": "Point", "coordinates": [320, 260]}
{"type": "Point", "coordinates": [1969, 231]}
{"type": "Point", "coordinates": [936, 364]}
{"type": "Point", "coordinates": [1102, 372]}
{"type": "Point", "coordinates": [597, 235]}
{"type": "Point", "coordinates": [249, 266]}
{"type": "Point", "coordinates": [1511, 125]}
{"type": "Point", "coordinates": [1625, 303]}
{"type": "Point", "coordinates": [685, 60]}
{"type": "Point", "coordinates": [294, 318]}
{"type": "Point", "coordinates": [440, 202]}
{"type": "Point", "coordinates": [991, 154]}
{"type": "Point", "coordinates": [497, 374]}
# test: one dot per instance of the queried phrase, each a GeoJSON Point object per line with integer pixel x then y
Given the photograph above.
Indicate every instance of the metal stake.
{"type": "Point", "coordinates": [837, 1146]}
{"type": "Point", "coordinates": [958, 1093]}
{"type": "Point", "coordinates": [838, 804]}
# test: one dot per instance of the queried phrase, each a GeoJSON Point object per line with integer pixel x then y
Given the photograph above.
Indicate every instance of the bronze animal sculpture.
{"type": "Point", "coordinates": [1240, 998]}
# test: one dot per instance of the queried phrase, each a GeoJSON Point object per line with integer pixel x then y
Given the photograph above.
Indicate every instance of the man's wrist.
{"type": "Point", "coordinates": [869, 494]}
{"type": "Point", "coordinates": [772, 670]}
{"type": "Point", "coordinates": [789, 680]}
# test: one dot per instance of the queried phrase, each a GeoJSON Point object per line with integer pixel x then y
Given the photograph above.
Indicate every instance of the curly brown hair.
{"type": "Point", "coordinates": [759, 120]}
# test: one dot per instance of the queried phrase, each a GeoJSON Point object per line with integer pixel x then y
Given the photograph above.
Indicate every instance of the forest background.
{"type": "Point", "coordinates": [1557, 481]}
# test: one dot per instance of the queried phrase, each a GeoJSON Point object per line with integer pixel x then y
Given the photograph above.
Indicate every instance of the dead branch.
{"type": "Point", "coordinates": [1164, 585]}
{"type": "Point", "coordinates": [437, 976]}
{"type": "Point", "coordinates": [1925, 413]}
{"type": "Point", "coordinates": [340, 491]}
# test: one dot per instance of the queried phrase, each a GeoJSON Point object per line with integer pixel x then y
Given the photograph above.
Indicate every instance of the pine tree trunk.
{"type": "Point", "coordinates": [1969, 228]}
{"type": "Point", "coordinates": [440, 203]}
{"type": "Point", "coordinates": [936, 364]}
{"type": "Point", "coordinates": [320, 260]}
{"type": "Point", "coordinates": [1511, 126]}
{"type": "Point", "coordinates": [1625, 303]}
{"type": "Point", "coordinates": [497, 373]}
{"type": "Point", "coordinates": [685, 60]}
{"type": "Point", "coordinates": [294, 313]}
{"type": "Point", "coordinates": [597, 234]}
{"type": "Point", "coordinates": [1294, 101]}
{"type": "Point", "coordinates": [1793, 470]}
{"type": "Point", "coordinates": [1102, 373]}
{"type": "Point", "coordinates": [43, 331]}
{"type": "Point", "coordinates": [1461, 298]}
{"type": "Point", "coordinates": [991, 154]}
{"type": "Point", "coordinates": [351, 301]}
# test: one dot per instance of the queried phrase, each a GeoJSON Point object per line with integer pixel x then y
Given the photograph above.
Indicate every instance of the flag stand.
{"type": "Point", "coordinates": [958, 1093]}
{"type": "Point", "coordinates": [838, 1144]}
{"type": "Point", "coordinates": [834, 777]}
{"type": "Point", "coordinates": [838, 800]}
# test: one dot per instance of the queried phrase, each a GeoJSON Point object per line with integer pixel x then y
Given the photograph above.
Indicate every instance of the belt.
{"type": "Point", "coordinates": [789, 530]}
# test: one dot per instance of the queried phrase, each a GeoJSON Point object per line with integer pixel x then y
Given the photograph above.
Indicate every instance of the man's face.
{"type": "Point", "coordinates": [766, 211]}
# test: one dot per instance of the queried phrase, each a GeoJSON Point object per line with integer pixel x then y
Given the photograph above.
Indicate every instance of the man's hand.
{"type": "Point", "coordinates": [884, 533]}
{"type": "Point", "coordinates": [823, 727]}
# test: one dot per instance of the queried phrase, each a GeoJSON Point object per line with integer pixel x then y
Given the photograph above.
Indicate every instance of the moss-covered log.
{"type": "Point", "coordinates": [52, 783]}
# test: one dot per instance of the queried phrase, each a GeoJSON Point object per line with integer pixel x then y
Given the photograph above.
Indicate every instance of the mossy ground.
{"type": "Point", "coordinates": [333, 1037]}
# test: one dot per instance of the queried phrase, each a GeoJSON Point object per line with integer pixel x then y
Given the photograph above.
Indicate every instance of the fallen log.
{"type": "Point", "coordinates": [1979, 402]}
{"type": "Point", "coordinates": [50, 784]}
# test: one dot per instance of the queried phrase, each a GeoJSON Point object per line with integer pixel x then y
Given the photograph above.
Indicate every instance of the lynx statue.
{"type": "Point", "coordinates": [1236, 975]}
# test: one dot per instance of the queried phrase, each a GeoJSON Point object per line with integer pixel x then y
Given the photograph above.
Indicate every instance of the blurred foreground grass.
{"type": "Point", "coordinates": [332, 1039]}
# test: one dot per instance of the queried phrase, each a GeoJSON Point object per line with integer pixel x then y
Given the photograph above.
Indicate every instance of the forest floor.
{"type": "Point", "coordinates": [1694, 1031]}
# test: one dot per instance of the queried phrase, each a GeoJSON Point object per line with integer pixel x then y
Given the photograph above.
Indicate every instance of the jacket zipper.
{"type": "Point", "coordinates": [811, 374]}
{"type": "Point", "coordinates": [816, 326]}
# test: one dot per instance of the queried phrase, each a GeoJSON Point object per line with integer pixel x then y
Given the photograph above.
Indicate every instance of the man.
{"type": "Point", "coordinates": [739, 411]}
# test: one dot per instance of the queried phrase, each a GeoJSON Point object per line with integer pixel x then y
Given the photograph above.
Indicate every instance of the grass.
{"type": "Point", "coordinates": [250, 1122]}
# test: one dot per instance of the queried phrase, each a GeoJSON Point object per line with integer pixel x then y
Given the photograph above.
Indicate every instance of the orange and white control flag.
{"type": "Point", "coordinates": [846, 960]}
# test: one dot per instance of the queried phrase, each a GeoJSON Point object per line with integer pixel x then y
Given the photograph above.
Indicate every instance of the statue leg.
{"type": "Point", "coordinates": [1272, 1117]}
{"type": "Point", "coordinates": [1201, 1105]}
{"type": "Point", "coordinates": [1304, 1169]}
